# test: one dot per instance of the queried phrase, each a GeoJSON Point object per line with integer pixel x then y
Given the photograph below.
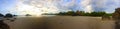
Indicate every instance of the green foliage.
{"type": "Point", "coordinates": [97, 13]}
{"type": "Point", "coordinates": [62, 13]}
{"type": "Point", "coordinates": [70, 13]}
{"type": "Point", "coordinates": [87, 14]}
{"type": "Point", "coordinates": [79, 13]}
{"type": "Point", "coordinates": [67, 13]}
{"type": "Point", "coordinates": [109, 14]}
{"type": "Point", "coordinates": [82, 13]}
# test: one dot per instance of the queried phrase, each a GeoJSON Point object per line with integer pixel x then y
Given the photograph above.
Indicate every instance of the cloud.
{"type": "Point", "coordinates": [100, 5]}
{"type": "Point", "coordinates": [55, 6]}
{"type": "Point", "coordinates": [86, 5]}
{"type": "Point", "coordinates": [36, 7]}
{"type": "Point", "coordinates": [51, 6]}
{"type": "Point", "coordinates": [106, 5]}
{"type": "Point", "coordinates": [68, 5]}
{"type": "Point", "coordinates": [82, 5]}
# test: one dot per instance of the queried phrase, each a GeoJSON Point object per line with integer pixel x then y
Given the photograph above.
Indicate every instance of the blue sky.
{"type": "Point", "coordinates": [6, 6]}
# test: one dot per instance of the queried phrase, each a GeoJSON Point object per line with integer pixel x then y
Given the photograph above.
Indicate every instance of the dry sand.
{"type": "Point", "coordinates": [60, 22]}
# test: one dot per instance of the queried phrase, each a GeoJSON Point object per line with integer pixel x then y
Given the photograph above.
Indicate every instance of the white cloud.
{"type": "Point", "coordinates": [100, 5]}
{"type": "Point", "coordinates": [86, 5]}
{"type": "Point", "coordinates": [36, 7]}
{"type": "Point", "coordinates": [54, 6]}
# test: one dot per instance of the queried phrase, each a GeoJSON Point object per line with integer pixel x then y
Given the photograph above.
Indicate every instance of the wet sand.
{"type": "Point", "coordinates": [61, 22]}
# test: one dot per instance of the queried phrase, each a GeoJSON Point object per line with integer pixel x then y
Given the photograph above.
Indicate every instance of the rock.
{"type": "Point", "coordinates": [116, 14]}
{"type": "Point", "coordinates": [28, 15]}
{"type": "Point", "coordinates": [1, 15]}
{"type": "Point", "coordinates": [105, 17]}
{"type": "Point", "coordinates": [116, 17]}
{"type": "Point", "coordinates": [8, 15]}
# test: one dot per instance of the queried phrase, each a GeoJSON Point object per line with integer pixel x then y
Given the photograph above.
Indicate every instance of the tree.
{"type": "Point", "coordinates": [70, 13]}
{"type": "Point", "coordinates": [62, 13]}
{"type": "Point", "coordinates": [97, 13]}
{"type": "Point", "coordinates": [78, 13]}
{"type": "Point", "coordinates": [101, 13]}
{"type": "Point", "coordinates": [87, 14]}
{"type": "Point", "coordinates": [82, 13]}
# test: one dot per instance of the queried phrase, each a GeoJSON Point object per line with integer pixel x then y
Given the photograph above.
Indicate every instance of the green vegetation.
{"type": "Point", "coordinates": [97, 13]}
{"type": "Point", "coordinates": [82, 13]}
{"type": "Point", "coordinates": [67, 13]}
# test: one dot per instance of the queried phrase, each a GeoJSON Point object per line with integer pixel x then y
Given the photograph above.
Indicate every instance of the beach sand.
{"type": "Point", "coordinates": [60, 22]}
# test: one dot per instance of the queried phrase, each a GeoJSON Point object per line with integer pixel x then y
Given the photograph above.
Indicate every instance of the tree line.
{"type": "Point", "coordinates": [82, 13]}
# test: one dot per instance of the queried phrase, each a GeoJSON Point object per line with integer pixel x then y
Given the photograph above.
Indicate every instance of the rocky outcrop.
{"type": "Point", "coordinates": [116, 17]}
{"type": "Point", "coordinates": [1, 15]}
{"type": "Point", "coordinates": [116, 14]}
{"type": "Point", "coordinates": [105, 17]}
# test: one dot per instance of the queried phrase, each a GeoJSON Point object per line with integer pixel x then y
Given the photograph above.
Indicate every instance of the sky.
{"type": "Point", "coordinates": [37, 7]}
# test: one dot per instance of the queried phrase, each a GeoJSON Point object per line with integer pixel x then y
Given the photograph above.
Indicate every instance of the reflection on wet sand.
{"type": "Point", "coordinates": [60, 22]}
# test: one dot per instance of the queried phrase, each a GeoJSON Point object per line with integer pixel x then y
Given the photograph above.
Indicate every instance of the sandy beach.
{"type": "Point", "coordinates": [60, 22]}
